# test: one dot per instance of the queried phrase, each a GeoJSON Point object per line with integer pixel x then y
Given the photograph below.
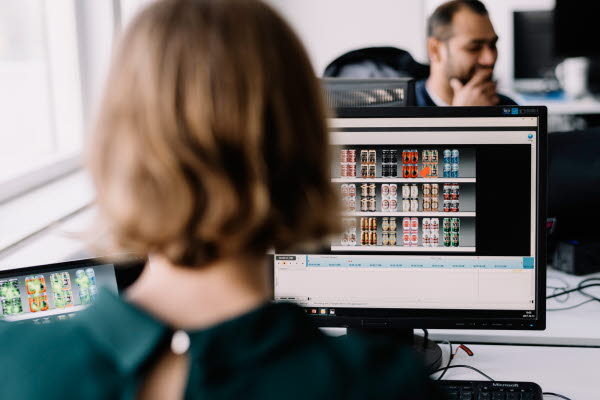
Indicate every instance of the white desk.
{"type": "Point", "coordinates": [577, 327]}
{"type": "Point", "coordinates": [571, 371]}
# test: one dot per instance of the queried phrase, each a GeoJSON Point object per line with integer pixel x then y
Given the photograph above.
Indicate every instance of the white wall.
{"type": "Point", "coordinates": [330, 28]}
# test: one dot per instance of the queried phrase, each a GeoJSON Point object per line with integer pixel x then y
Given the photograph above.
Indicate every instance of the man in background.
{"type": "Point", "coordinates": [461, 45]}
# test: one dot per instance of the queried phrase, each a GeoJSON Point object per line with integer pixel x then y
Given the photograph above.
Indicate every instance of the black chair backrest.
{"type": "Point", "coordinates": [376, 62]}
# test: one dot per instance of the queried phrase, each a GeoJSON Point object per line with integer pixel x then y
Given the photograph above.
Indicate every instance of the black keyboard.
{"type": "Point", "coordinates": [486, 390]}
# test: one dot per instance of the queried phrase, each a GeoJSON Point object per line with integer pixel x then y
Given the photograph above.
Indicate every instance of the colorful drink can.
{"type": "Point", "coordinates": [56, 282]}
{"type": "Point", "coordinates": [414, 224]}
{"type": "Point", "coordinates": [447, 239]}
{"type": "Point", "coordinates": [433, 170]}
{"type": "Point", "coordinates": [352, 240]}
{"type": "Point", "coordinates": [447, 156]}
{"type": "Point", "coordinates": [385, 239]}
{"type": "Point", "coordinates": [434, 156]}
{"type": "Point", "coordinates": [426, 156]}
{"type": "Point", "coordinates": [406, 238]}
{"type": "Point", "coordinates": [455, 239]}
{"type": "Point", "coordinates": [351, 170]}
{"type": "Point", "coordinates": [393, 225]}
{"type": "Point", "coordinates": [372, 171]}
{"type": "Point", "coordinates": [454, 205]}
{"type": "Point", "coordinates": [352, 156]}
{"type": "Point", "coordinates": [435, 224]}
{"type": "Point", "coordinates": [447, 170]}
{"type": "Point", "coordinates": [426, 204]}
{"type": "Point", "coordinates": [385, 156]}
{"type": "Point", "coordinates": [447, 191]}
{"type": "Point", "coordinates": [373, 238]}
{"type": "Point", "coordinates": [385, 205]}
{"type": "Point", "coordinates": [364, 156]}
{"type": "Point", "coordinates": [394, 156]}
{"type": "Point", "coordinates": [447, 205]}
{"type": "Point", "coordinates": [372, 190]}
{"type": "Point", "coordinates": [364, 224]}
{"type": "Point", "coordinates": [455, 224]}
{"type": "Point", "coordinates": [393, 189]}
{"type": "Point", "coordinates": [435, 238]}
{"type": "Point", "coordinates": [364, 171]}
{"type": "Point", "coordinates": [426, 190]}
{"type": "Point", "coordinates": [406, 171]}
{"type": "Point", "coordinates": [414, 205]}
{"type": "Point", "coordinates": [405, 156]}
{"type": "Point", "coordinates": [405, 191]}
{"type": "Point", "coordinates": [414, 191]}
{"type": "Point", "coordinates": [364, 204]}
{"type": "Point", "coordinates": [364, 189]}
{"type": "Point", "coordinates": [372, 204]}
{"type": "Point", "coordinates": [414, 171]}
{"type": "Point", "coordinates": [393, 170]}
{"type": "Point", "coordinates": [414, 157]}
{"type": "Point", "coordinates": [364, 238]}
{"type": "Point", "coordinates": [406, 224]}
{"type": "Point", "coordinates": [414, 238]}
{"type": "Point", "coordinates": [455, 168]}
{"type": "Point", "coordinates": [455, 153]}
{"type": "Point", "coordinates": [385, 189]}
{"type": "Point", "coordinates": [393, 204]}
{"type": "Point", "coordinates": [447, 224]}
{"type": "Point", "coordinates": [372, 157]}
{"type": "Point", "coordinates": [392, 238]}
{"type": "Point", "coordinates": [426, 223]}
{"type": "Point", "coordinates": [343, 156]}
{"type": "Point", "coordinates": [435, 190]}
{"type": "Point", "coordinates": [385, 170]}
{"type": "Point", "coordinates": [434, 204]}
{"type": "Point", "coordinates": [426, 238]}
{"type": "Point", "coordinates": [373, 224]}
{"type": "Point", "coordinates": [38, 302]}
{"type": "Point", "coordinates": [406, 205]}
{"type": "Point", "coordinates": [344, 190]}
{"type": "Point", "coordinates": [385, 224]}
{"type": "Point", "coordinates": [352, 190]}
{"type": "Point", "coordinates": [454, 191]}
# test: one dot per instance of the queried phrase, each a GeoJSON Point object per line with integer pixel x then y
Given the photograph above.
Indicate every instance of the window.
{"type": "Point", "coordinates": [40, 102]}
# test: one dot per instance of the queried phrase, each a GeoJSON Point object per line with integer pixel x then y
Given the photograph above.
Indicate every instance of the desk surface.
{"type": "Point", "coordinates": [570, 371]}
{"type": "Point", "coordinates": [576, 327]}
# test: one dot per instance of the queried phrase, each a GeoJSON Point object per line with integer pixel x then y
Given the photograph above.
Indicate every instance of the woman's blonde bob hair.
{"type": "Point", "coordinates": [211, 140]}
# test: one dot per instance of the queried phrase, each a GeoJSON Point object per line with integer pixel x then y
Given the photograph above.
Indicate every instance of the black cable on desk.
{"type": "Point", "coordinates": [579, 289]}
{"type": "Point", "coordinates": [570, 307]}
{"type": "Point", "coordinates": [556, 395]}
{"type": "Point", "coordinates": [462, 366]}
{"type": "Point", "coordinates": [449, 361]}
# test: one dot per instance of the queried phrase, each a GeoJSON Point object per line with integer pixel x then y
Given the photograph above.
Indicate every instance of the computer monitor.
{"type": "Point", "coordinates": [44, 293]}
{"type": "Point", "coordinates": [534, 60]}
{"type": "Point", "coordinates": [343, 93]}
{"type": "Point", "coordinates": [575, 28]}
{"type": "Point", "coordinates": [443, 224]}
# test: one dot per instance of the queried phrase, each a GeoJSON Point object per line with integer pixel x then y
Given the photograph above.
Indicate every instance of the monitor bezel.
{"type": "Point", "coordinates": [453, 318]}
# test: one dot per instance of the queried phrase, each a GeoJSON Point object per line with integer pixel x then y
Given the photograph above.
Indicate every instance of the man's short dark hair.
{"type": "Point", "coordinates": [439, 24]}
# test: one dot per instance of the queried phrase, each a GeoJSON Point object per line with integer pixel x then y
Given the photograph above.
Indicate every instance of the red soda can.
{"type": "Point", "coordinates": [414, 224]}
{"type": "Point", "coordinates": [405, 156]}
{"type": "Point", "coordinates": [344, 156]}
{"type": "Point", "coordinates": [454, 191]}
{"type": "Point", "coordinates": [352, 190]}
{"type": "Point", "coordinates": [454, 205]}
{"type": "Point", "coordinates": [414, 157]}
{"type": "Point", "coordinates": [414, 238]}
{"type": "Point", "coordinates": [414, 171]}
{"type": "Point", "coordinates": [406, 238]}
{"type": "Point", "coordinates": [406, 171]}
{"type": "Point", "coordinates": [447, 205]}
{"type": "Point", "coordinates": [351, 156]}
{"type": "Point", "coordinates": [344, 190]}
{"type": "Point", "coordinates": [352, 170]}
{"type": "Point", "coordinates": [406, 224]}
{"type": "Point", "coordinates": [344, 172]}
{"type": "Point", "coordinates": [447, 191]}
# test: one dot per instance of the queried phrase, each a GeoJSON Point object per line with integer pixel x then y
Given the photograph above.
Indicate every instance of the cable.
{"type": "Point", "coordinates": [462, 366]}
{"type": "Point", "coordinates": [555, 395]}
{"type": "Point", "coordinates": [578, 289]}
{"type": "Point", "coordinates": [449, 361]}
{"type": "Point", "coordinates": [571, 307]}
{"type": "Point", "coordinates": [425, 338]}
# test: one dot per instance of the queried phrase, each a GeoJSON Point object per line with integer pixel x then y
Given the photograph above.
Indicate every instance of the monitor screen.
{"type": "Point", "coordinates": [534, 45]}
{"type": "Point", "coordinates": [57, 291]}
{"type": "Point", "coordinates": [443, 222]}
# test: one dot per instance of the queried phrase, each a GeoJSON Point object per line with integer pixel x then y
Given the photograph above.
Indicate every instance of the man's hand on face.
{"type": "Point", "coordinates": [479, 91]}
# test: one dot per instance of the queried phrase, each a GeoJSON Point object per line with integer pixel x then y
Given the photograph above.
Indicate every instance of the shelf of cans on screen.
{"type": "Point", "coordinates": [400, 248]}
{"type": "Point", "coordinates": [47, 313]}
{"type": "Point", "coordinates": [404, 180]}
{"type": "Point", "coordinates": [410, 214]}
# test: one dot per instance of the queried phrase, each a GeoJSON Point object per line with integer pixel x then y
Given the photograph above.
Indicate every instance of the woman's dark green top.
{"type": "Point", "coordinates": [273, 352]}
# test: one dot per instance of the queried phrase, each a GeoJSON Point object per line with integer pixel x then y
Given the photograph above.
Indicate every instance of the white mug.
{"type": "Point", "coordinates": [572, 74]}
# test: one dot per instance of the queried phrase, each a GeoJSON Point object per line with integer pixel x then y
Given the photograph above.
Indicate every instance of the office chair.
{"type": "Point", "coordinates": [376, 62]}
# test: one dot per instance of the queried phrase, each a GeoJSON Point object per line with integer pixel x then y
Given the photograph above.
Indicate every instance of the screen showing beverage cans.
{"type": "Point", "coordinates": [438, 213]}
{"type": "Point", "coordinates": [53, 295]}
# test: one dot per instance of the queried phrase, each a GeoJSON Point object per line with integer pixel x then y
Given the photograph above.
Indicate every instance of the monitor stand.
{"type": "Point", "coordinates": [430, 352]}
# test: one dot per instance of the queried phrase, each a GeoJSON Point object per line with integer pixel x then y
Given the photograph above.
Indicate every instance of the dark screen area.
{"type": "Point", "coordinates": [503, 200]}
{"type": "Point", "coordinates": [533, 44]}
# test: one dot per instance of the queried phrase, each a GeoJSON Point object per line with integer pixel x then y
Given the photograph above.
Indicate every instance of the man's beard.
{"type": "Point", "coordinates": [464, 77]}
